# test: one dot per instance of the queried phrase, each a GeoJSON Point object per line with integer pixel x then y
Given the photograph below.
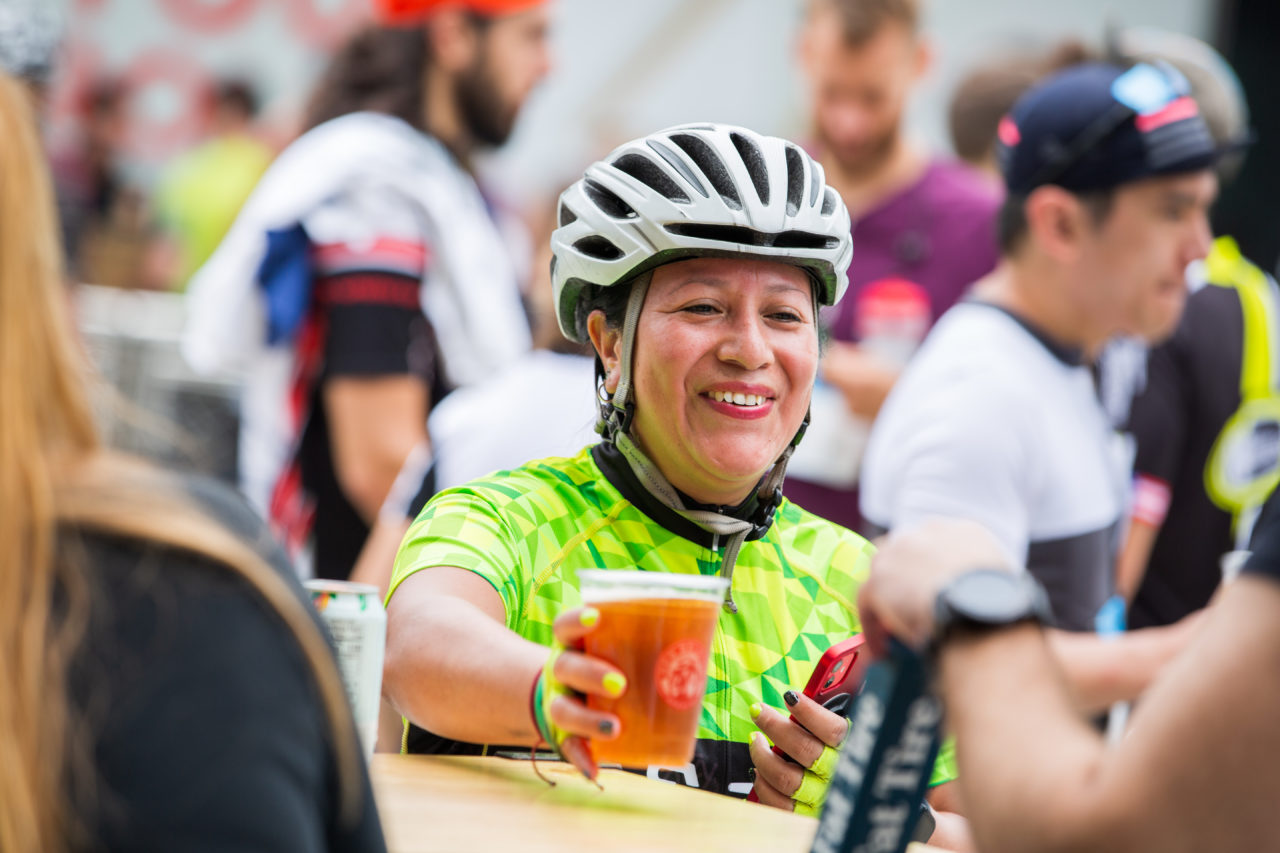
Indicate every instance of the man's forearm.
{"type": "Point", "coordinates": [1101, 670]}
{"type": "Point", "coordinates": [1025, 759]}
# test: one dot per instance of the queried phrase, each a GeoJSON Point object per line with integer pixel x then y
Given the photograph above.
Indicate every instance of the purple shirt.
{"type": "Point", "coordinates": [939, 234]}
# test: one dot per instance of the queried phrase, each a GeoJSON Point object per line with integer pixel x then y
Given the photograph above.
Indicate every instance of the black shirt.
{"type": "Point", "coordinates": [1193, 387]}
{"type": "Point", "coordinates": [1265, 543]}
{"type": "Point", "coordinates": [372, 327]}
{"type": "Point", "coordinates": [207, 730]}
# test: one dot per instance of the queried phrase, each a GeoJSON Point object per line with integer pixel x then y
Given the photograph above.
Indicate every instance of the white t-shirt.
{"type": "Point", "coordinates": [993, 423]}
{"type": "Point", "coordinates": [541, 405]}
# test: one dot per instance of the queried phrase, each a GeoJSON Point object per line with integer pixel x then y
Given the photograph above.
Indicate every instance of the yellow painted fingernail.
{"type": "Point", "coordinates": [615, 683]}
{"type": "Point", "coordinates": [755, 710]}
{"type": "Point", "coordinates": [589, 616]}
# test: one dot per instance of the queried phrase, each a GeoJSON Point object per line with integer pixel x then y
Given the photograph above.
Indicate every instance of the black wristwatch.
{"type": "Point", "coordinates": [988, 599]}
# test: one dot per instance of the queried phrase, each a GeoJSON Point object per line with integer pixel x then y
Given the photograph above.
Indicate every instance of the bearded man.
{"type": "Point", "coordinates": [924, 229]}
{"type": "Point", "coordinates": [365, 277]}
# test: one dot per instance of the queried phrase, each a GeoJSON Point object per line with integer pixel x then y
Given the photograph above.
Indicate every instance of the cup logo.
{"type": "Point", "coordinates": [680, 674]}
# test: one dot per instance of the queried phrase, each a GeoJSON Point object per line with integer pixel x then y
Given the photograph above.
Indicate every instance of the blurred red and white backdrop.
{"type": "Point", "coordinates": [166, 53]}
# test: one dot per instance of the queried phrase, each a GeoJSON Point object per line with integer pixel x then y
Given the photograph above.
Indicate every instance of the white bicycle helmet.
{"type": "Point", "coordinates": [697, 190]}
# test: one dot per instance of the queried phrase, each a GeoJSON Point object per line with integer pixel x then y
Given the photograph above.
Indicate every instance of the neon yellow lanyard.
{"type": "Point", "coordinates": [1232, 479]}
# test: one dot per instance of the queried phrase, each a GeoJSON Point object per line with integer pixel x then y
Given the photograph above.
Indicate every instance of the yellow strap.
{"type": "Point", "coordinates": [1227, 267]}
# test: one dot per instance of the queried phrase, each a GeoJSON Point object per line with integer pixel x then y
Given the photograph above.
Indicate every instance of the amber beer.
{"type": "Point", "coordinates": [656, 628]}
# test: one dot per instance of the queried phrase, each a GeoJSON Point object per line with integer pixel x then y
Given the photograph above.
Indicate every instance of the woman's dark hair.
{"type": "Point", "coordinates": [378, 69]}
{"type": "Point", "coordinates": [611, 300]}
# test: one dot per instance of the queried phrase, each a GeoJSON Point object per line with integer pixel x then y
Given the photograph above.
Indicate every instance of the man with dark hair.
{"type": "Point", "coordinates": [1205, 421]}
{"type": "Point", "coordinates": [382, 279]}
{"type": "Point", "coordinates": [1109, 182]}
{"type": "Point", "coordinates": [923, 228]}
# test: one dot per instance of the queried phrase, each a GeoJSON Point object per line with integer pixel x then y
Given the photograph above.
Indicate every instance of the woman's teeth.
{"type": "Point", "coordinates": [737, 399]}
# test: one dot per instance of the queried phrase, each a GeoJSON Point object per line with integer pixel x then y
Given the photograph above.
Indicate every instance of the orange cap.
{"type": "Point", "coordinates": [414, 11]}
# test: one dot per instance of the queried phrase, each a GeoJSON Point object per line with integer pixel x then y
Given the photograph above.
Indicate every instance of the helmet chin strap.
{"type": "Point", "coordinates": [616, 415]}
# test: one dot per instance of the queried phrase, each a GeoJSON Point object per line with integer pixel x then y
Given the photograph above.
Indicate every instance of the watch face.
{"type": "Point", "coordinates": [991, 596]}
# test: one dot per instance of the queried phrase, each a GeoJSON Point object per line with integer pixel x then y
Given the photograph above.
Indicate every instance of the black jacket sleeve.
{"type": "Point", "coordinates": [208, 728]}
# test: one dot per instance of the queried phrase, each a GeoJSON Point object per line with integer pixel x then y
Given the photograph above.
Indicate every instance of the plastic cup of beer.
{"type": "Point", "coordinates": [657, 628]}
{"type": "Point", "coordinates": [358, 624]}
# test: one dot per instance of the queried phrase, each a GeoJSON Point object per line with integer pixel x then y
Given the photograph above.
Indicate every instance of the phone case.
{"type": "Point", "coordinates": [838, 675]}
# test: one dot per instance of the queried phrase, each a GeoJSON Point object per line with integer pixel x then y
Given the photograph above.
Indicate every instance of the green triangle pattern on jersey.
{"type": "Point", "coordinates": [529, 530]}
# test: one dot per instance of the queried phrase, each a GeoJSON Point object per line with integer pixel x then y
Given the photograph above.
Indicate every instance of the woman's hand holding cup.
{"type": "Point", "coordinates": [558, 701]}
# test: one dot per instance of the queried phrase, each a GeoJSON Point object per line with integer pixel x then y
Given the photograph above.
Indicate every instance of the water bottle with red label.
{"type": "Point", "coordinates": [893, 317]}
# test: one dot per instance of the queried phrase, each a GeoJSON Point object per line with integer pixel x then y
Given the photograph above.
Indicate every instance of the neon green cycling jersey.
{"type": "Point", "coordinates": [528, 531]}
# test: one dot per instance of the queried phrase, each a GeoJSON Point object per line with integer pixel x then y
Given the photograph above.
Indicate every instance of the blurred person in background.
{"type": "Point", "coordinates": [924, 229]}
{"type": "Point", "coordinates": [1109, 178]}
{"type": "Point", "coordinates": [93, 201]}
{"type": "Point", "coordinates": [200, 194]}
{"type": "Point", "coordinates": [987, 92]}
{"type": "Point", "coordinates": [164, 683]}
{"type": "Point", "coordinates": [1206, 421]}
{"type": "Point", "coordinates": [471, 431]}
{"type": "Point", "coordinates": [365, 277]}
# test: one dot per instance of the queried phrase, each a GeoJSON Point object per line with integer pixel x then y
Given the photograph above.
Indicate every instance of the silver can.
{"type": "Point", "coordinates": [355, 618]}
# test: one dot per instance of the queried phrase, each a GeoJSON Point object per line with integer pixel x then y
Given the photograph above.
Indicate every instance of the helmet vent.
{"type": "Point", "coordinates": [567, 216]}
{"type": "Point", "coordinates": [648, 173]}
{"type": "Point", "coordinates": [754, 161]}
{"type": "Point", "coordinates": [795, 180]}
{"type": "Point", "coordinates": [598, 247]}
{"type": "Point", "coordinates": [829, 202]}
{"type": "Point", "coordinates": [751, 237]}
{"type": "Point", "coordinates": [711, 165]}
{"type": "Point", "coordinates": [816, 182]}
{"type": "Point", "coordinates": [607, 201]}
{"type": "Point", "coordinates": [673, 159]}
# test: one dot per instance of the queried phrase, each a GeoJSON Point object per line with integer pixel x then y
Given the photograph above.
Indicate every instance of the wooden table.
{"type": "Point", "coordinates": [458, 805]}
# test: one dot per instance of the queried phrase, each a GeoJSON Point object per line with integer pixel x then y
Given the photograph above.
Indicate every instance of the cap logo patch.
{"type": "Point", "coordinates": [1182, 108]}
{"type": "Point", "coordinates": [1144, 89]}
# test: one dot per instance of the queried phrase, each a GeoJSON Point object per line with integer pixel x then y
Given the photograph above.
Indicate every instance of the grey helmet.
{"type": "Point", "coordinates": [697, 190]}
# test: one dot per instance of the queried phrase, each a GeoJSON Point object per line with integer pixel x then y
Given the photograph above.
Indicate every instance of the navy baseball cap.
{"type": "Point", "coordinates": [1097, 125]}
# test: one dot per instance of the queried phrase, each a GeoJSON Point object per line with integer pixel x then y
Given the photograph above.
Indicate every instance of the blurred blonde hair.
{"type": "Point", "coordinates": [54, 471]}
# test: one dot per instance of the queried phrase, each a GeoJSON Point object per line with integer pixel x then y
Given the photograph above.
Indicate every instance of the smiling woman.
{"type": "Point", "coordinates": [695, 261]}
{"type": "Point", "coordinates": [724, 374]}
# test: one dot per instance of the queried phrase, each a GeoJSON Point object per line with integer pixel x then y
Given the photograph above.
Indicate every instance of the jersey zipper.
{"type": "Point", "coordinates": [724, 700]}
{"type": "Point", "coordinates": [720, 651]}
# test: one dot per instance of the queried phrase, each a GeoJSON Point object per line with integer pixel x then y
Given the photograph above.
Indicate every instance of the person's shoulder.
{"type": "Point", "coordinates": [230, 509]}
{"type": "Point", "coordinates": [554, 478]}
{"type": "Point", "coordinates": [796, 528]}
{"type": "Point", "coordinates": [1209, 305]}
{"type": "Point", "coordinates": [972, 349]}
{"type": "Point", "coordinates": [824, 552]}
{"type": "Point", "coordinates": [968, 383]}
{"type": "Point", "coordinates": [959, 190]}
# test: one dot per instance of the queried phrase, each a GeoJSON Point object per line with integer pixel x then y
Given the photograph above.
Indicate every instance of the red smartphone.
{"type": "Point", "coordinates": [835, 681]}
{"type": "Point", "coordinates": [838, 675]}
